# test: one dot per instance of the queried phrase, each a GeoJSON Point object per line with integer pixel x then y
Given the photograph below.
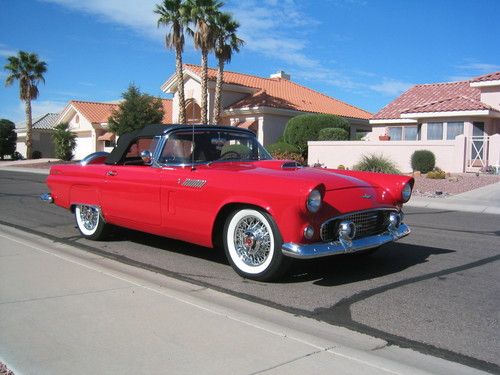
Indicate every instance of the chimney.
{"type": "Point", "coordinates": [281, 74]}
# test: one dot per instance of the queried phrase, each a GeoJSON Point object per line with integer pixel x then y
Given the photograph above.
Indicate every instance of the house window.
{"type": "Point", "coordinates": [399, 133]}
{"type": "Point", "coordinates": [435, 131]}
{"type": "Point", "coordinates": [396, 133]}
{"type": "Point", "coordinates": [193, 112]}
{"type": "Point", "coordinates": [410, 133]}
{"type": "Point", "coordinates": [111, 143]}
{"type": "Point", "coordinates": [453, 129]}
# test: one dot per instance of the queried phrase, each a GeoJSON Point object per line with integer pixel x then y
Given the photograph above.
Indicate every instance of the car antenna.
{"type": "Point", "coordinates": [192, 147]}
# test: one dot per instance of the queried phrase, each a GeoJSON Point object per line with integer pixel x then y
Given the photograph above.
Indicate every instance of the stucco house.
{"type": "Point", "coordinates": [42, 129]}
{"type": "Point", "coordinates": [89, 121]}
{"type": "Point", "coordinates": [263, 105]}
{"type": "Point", "coordinates": [458, 121]}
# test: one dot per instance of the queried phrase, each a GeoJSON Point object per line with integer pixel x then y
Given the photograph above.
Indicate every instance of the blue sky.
{"type": "Point", "coordinates": [364, 52]}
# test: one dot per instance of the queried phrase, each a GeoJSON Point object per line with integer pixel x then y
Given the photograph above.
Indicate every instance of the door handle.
{"type": "Point", "coordinates": [111, 173]}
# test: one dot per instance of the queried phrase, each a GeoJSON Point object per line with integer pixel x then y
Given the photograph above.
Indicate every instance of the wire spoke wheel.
{"type": "Point", "coordinates": [90, 222]}
{"type": "Point", "coordinates": [252, 241]}
{"type": "Point", "coordinates": [252, 244]}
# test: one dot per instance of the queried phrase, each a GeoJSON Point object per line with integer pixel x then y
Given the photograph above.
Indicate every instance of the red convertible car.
{"type": "Point", "coordinates": [217, 186]}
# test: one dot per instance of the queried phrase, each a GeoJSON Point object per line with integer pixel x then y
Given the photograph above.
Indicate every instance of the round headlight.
{"type": "Point", "coordinates": [313, 201]}
{"type": "Point", "coordinates": [406, 193]}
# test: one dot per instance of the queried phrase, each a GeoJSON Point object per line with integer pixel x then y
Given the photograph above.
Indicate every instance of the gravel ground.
{"type": "Point", "coordinates": [424, 187]}
{"type": "Point", "coordinates": [4, 370]}
{"type": "Point", "coordinates": [455, 184]}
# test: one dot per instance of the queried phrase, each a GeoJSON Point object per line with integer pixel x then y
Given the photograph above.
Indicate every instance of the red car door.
{"type": "Point", "coordinates": [132, 193]}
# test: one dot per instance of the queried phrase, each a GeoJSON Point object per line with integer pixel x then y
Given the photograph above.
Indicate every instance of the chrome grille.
{"type": "Point", "coordinates": [368, 223]}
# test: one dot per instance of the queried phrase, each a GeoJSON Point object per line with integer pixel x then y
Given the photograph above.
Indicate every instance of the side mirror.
{"type": "Point", "coordinates": [146, 157]}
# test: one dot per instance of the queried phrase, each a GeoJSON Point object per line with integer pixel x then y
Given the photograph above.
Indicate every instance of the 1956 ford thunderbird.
{"type": "Point", "coordinates": [217, 186]}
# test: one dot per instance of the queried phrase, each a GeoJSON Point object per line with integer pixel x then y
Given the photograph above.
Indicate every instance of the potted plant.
{"type": "Point", "coordinates": [384, 137]}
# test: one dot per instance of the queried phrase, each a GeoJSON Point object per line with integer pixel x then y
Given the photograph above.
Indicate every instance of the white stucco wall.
{"type": "Point", "coordinates": [450, 155]}
{"type": "Point", "coordinates": [491, 96]}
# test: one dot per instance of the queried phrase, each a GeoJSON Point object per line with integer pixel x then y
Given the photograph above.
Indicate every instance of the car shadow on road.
{"type": "Point", "coordinates": [328, 271]}
{"type": "Point", "coordinates": [214, 255]}
{"type": "Point", "coordinates": [346, 269]}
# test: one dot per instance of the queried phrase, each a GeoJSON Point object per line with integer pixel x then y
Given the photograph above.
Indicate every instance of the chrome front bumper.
{"type": "Point", "coordinates": [317, 250]}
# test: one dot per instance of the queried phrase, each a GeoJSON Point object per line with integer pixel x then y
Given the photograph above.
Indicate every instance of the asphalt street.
{"type": "Point", "coordinates": [436, 291]}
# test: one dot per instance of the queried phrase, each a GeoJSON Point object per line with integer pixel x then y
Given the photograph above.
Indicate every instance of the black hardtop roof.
{"type": "Point", "coordinates": [157, 130]}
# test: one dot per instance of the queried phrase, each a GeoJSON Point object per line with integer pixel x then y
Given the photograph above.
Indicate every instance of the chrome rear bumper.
{"type": "Point", "coordinates": [47, 197]}
{"type": "Point", "coordinates": [317, 250]}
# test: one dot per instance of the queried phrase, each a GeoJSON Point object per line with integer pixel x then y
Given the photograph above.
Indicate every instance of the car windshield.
{"type": "Point", "coordinates": [211, 146]}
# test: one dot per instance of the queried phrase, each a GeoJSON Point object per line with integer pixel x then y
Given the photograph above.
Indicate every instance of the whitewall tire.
{"type": "Point", "coordinates": [90, 222]}
{"type": "Point", "coordinates": [252, 243]}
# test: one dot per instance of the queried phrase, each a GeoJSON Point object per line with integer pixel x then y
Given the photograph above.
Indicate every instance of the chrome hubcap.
{"type": "Point", "coordinates": [89, 216]}
{"type": "Point", "coordinates": [252, 241]}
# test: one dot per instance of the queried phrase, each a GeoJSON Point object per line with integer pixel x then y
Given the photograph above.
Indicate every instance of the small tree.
{"type": "Point", "coordinates": [301, 129]}
{"type": "Point", "coordinates": [8, 138]}
{"type": "Point", "coordinates": [64, 141]}
{"type": "Point", "coordinates": [135, 112]}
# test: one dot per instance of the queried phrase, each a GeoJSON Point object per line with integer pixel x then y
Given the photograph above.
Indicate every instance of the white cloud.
{"type": "Point", "coordinates": [5, 51]}
{"type": "Point", "coordinates": [38, 108]}
{"type": "Point", "coordinates": [275, 29]}
{"type": "Point", "coordinates": [479, 67]}
{"type": "Point", "coordinates": [137, 15]}
{"type": "Point", "coordinates": [390, 87]}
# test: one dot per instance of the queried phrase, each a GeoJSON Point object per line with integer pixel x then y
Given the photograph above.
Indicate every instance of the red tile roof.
{"type": "Point", "coordinates": [459, 103]}
{"type": "Point", "coordinates": [429, 96]}
{"type": "Point", "coordinates": [99, 113]}
{"type": "Point", "coordinates": [282, 93]}
{"type": "Point", "coordinates": [488, 77]}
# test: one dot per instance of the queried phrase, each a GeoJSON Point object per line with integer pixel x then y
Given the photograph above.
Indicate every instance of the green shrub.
{"type": "Point", "coordinates": [436, 174]}
{"type": "Point", "coordinates": [289, 156]}
{"type": "Point", "coordinates": [341, 166]}
{"type": "Point", "coordinates": [376, 163]}
{"type": "Point", "coordinates": [17, 156]}
{"type": "Point", "coordinates": [281, 147]}
{"type": "Point", "coordinates": [36, 154]}
{"type": "Point", "coordinates": [303, 128]}
{"type": "Point", "coordinates": [64, 141]}
{"type": "Point", "coordinates": [423, 161]}
{"type": "Point", "coordinates": [333, 134]}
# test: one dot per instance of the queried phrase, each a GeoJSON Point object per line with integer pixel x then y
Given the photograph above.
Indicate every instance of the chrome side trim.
{"type": "Point", "coordinates": [317, 250]}
{"type": "Point", "coordinates": [47, 198]}
{"type": "Point", "coordinates": [95, 155]}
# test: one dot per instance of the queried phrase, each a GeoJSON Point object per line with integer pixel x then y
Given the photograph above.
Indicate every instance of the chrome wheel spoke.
{"type": "Point", "coordinates": [89, 217]}
{"type": "Point", "coordinates": [252, 241]}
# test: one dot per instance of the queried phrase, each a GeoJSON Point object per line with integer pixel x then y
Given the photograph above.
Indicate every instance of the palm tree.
{"type": "Point", "coordinates": [28, 70]}
{"type": "Point", "coordinates": [172, 14]}
{"type": "Point", "coordinates": [226, 43]}
{"type": "Point", "coordinates": [202, 14]}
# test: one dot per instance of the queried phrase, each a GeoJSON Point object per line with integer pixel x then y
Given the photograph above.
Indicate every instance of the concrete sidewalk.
{"type": "Point", "coordinates": [484, 200]}
{"type": "Point", "coordinates": [67, 311]}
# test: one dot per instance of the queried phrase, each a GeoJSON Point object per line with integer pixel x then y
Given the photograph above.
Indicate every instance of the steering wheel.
{"type": "Point", "coordinates": [225, 155]}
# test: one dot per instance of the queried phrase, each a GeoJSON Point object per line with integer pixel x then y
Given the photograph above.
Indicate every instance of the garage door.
{"type": "Point", "coordinates": [84, 146]}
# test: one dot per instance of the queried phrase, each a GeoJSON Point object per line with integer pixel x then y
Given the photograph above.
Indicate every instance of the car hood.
{"type": "Point", "coordinates": [289, 170]}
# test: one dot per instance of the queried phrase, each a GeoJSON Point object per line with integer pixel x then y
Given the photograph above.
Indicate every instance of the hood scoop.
{"type": "Point", "coordinates": [291, 165]}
